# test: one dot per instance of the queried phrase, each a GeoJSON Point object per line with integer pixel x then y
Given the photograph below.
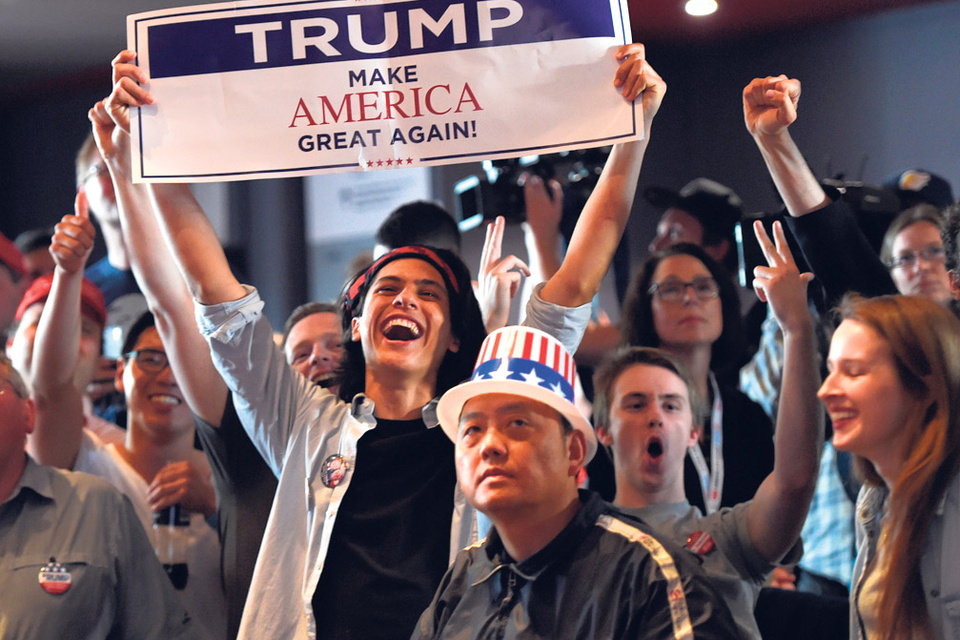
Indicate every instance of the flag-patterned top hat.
{"type": "Point", "coordinates": [524, 362]}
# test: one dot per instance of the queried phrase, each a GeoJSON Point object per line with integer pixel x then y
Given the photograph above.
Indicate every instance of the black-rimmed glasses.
{"type": "Point", "coordinates": [673, 289]}
{"type": "Point", "coordinates": [152, 360]}
{"type": "Point", "coordinates": [908, 260]}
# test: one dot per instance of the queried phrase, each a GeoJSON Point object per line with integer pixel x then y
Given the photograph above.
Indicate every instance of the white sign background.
{"type": "Point", "coordinates": [540, 97]}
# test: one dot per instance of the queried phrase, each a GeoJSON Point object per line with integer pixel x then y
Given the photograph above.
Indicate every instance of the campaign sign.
{"type": "Point", "coordinates": [272, 89]}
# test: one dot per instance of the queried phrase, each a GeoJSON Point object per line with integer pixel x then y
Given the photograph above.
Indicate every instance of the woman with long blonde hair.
{"type": "Point", "coordinates": [893, 394]}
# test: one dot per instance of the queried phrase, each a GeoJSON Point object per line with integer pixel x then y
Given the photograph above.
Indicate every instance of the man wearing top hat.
{"type": "Point", "coordinates": [558, 563]}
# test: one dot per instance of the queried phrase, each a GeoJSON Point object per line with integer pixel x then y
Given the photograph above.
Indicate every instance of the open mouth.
{"type": "Point", "coordinates": [166, 399]}
{"type": "Point", "coordinates": [655, 448]}
{"type": "Point", "coordinates": [325, 380]}
{"type": "Point", "coordinates": [401, 329]}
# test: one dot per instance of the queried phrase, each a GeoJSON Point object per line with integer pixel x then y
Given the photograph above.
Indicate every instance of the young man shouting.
{"type": "Point", "coordinates": [649, 412]}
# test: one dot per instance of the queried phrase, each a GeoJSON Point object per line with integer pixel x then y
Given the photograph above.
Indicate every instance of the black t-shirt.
{"type": "Point", "coordinates": [390, 545]}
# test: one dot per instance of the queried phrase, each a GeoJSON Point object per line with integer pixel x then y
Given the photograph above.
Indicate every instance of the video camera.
{"type": "Point", "coordinates": [499, 191]}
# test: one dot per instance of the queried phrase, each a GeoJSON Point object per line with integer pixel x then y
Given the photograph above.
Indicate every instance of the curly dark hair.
{"type": "Point", "coordinates": [465, 319]}
{"type": "Point", "coordinates": [637, 328]}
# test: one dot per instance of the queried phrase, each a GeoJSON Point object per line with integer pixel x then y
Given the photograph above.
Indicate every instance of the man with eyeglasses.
{"type": "Point", "coordinates": [155, 464]}
{"type": "Point", "coordinates": [91, 574]}
{"type": "Point", "coordinates": [703, 212]}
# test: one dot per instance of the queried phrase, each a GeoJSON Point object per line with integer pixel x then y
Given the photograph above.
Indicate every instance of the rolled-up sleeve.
{"type": "Point", "coordinates": [224, 322]}
{"type": "Point", "coordinates": [267, 394]}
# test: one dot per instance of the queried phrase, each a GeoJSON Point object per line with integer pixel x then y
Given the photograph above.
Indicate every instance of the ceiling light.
{"type": "Point", "coordinates": [701, 7]}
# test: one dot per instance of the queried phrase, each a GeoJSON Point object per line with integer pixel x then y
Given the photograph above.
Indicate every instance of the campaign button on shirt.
{"type": "Point", "coordinates": [54, 578]}
{"type": "Point", "coordinates": [334, 471]}
{"type": "Point", "coordinates": [700, 542]}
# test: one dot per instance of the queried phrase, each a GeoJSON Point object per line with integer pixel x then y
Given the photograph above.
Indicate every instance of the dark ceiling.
{"type": "Point", "coordinates": [666, 21]}
{"type": "Point", "coordinates": [47, 46]}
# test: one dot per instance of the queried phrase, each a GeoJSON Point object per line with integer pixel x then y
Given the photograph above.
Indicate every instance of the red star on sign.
{"type": "Point", "coordinates": [379, 163]}
{"type": "Point", "coordinates": [369, 163]}
{"type": "Point", "coordinates": [389, 162]}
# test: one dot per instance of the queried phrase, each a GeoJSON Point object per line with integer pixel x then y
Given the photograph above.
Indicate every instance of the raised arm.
{"type": "Point", "coordinates": [543, 202]}
{"type": "Point", "coordinates": [832, 242]}
{"type": "Point", "coordinates": [769, 108]}
{"type": "Point", "coordinates": [268, 394]}
{"type": "Point", "coordinates": [605, 215]}
{"type": "Point", "coordinates": [61, 333]}
{"type": "Point", "coordinates": [499, 278]}
{"type": "Point", "coordinates": [780, 505]}
{"type": "Point", "coordinates": [193, 241]}
{"type": "Point", "coordinates": [160, 281]}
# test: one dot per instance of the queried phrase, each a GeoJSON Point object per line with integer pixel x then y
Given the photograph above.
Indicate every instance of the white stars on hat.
{"type": "Point", "coordinates": [502, 372]}
{"type": "Point", "coordinates": [505, 372]}
{"type": "Point", "coordinates": [532, 377]}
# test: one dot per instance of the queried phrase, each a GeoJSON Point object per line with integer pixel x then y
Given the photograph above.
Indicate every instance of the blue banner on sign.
{"type": "Point", "coordinates": [290, 37]}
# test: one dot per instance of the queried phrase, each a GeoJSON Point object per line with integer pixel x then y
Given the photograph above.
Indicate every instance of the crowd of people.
{"type": "Point", "coordinates": [400, 463]}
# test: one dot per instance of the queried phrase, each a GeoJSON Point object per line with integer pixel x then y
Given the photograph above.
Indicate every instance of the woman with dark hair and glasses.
{"type": "Point", "coordinates": [683, 302]}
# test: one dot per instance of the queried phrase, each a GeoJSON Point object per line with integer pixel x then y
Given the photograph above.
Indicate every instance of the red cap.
{"type": "Point", "coordinates": [11, 256]}
{"type": "Point", "coordinates": [91, 299]}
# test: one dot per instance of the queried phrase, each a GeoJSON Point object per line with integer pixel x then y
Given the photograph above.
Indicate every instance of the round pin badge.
{"type": "Point", "coordinates": [700, 542]}
{"type": "Point", "coordinates": [334, 471]}
{"type": "Point", "coordinates": [54, 578]}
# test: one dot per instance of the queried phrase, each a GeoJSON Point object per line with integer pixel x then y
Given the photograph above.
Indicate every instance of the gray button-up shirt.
{"type": "Point", "coordinates": [117, 588]}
